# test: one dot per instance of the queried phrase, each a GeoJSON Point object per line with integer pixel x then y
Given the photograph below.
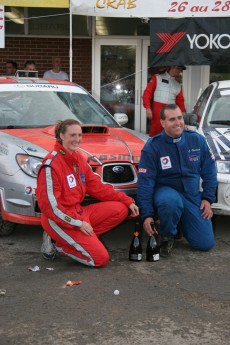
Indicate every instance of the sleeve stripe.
{"type": "Point", "coordinates": [53, 202]}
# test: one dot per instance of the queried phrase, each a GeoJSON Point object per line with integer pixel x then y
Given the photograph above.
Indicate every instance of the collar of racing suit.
{"type": "Point", "coordinates": [169, 76]}
{"type": "Point", "coordinates": [171, 140]}
{"type": "Point", "coordinates": [71, 159]}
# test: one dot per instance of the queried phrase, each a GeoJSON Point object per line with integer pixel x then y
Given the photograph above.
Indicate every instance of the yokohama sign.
{"type": "Point", "coordinates": [200, 41]}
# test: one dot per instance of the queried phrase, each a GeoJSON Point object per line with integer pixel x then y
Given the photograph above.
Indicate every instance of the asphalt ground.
{"type": "Point", "coordinates": [181, 300]}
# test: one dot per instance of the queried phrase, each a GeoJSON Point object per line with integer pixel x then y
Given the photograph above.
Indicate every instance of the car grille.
{"type": "Point", "coordinates": [126, 177]}
{"type": "Point", "coordinates": [125, 174]}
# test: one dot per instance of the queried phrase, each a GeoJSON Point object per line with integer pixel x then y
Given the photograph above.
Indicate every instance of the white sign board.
{"type": "Point", "coordinates": [151, 8]}
{"type": "Point", "coordinates": [2, 28]}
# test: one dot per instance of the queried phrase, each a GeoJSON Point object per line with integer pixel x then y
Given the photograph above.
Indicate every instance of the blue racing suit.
{"type": "Point", "coordinates": [174, 176]}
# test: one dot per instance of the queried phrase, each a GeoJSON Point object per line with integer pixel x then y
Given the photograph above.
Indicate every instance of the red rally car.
{"type": "Point", "coordinates": [29, 109]}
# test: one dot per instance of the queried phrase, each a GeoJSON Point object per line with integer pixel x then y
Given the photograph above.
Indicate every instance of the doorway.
{"type": "Point", "coordinates": [118, 74]}
{"type": "Point", "coordinates": [121, 73]}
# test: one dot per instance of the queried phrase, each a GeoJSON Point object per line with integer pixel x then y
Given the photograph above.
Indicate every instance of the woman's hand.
{"type": "Point", "coordinates": [134, 210]}
{"type": "Point", "coordinates": [87, 229]}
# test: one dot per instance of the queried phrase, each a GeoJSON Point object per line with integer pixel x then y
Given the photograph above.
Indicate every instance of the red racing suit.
{"type": "Point", "coordinates": [63, 180]}
{"type": "Point", "coordinates": [161, 90]}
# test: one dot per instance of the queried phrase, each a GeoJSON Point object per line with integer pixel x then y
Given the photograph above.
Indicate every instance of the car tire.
{"type": "Point", "coordinates": [6, 228]}
{"type": "Point", "coordinates": [213, 219]}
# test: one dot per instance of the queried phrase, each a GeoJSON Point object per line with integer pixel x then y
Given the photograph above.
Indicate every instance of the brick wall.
{"type": "Point", "coordinates": [41, 50]}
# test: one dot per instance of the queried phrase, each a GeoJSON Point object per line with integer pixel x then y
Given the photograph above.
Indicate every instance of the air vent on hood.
{"type": "Point", "coordinates": [95, 129]}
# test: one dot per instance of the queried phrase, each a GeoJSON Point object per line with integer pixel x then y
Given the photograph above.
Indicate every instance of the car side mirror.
{"type": "Point", "coordinates": [191, 121]}
{"type": "Point", "coordinates": [121, 118]}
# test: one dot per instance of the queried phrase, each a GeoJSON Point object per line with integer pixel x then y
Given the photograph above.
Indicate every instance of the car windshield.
{"type": "Point", "coordinates": [219, 111]}
{"type": "Point", "coordinates": [44, 108]}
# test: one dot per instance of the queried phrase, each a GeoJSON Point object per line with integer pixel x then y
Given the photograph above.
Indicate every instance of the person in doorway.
{"type": "Point", "coordinates": [172, 165]}
{"type": "Point", "coordinates": [63, 181]}
{"type": "Point", "coordinates": [56, 72]}
{"type": "Point", "coordinates": [161, 90]}
{"type": "Point", "coordinates": [11, 68]}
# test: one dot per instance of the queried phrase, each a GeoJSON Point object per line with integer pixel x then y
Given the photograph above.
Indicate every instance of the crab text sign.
{"type": "Point", "coordinates": [151, 8]}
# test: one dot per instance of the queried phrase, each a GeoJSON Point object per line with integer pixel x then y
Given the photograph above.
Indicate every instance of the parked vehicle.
{"type": "Point", "coordinates": [29, 109]}
{"type": "Point", "coordinates": [211, 116]}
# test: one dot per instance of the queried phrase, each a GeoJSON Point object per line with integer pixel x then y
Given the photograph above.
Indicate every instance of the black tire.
{"type": "Point", "coordinates": [214, 219]}
{"type": "Point", "coordinates": [6, 228]}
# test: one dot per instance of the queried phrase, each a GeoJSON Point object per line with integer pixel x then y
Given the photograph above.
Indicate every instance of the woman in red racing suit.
{"type": "Point", "coordinates": [63, 180]}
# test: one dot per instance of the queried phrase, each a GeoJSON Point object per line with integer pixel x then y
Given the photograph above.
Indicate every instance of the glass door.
{"type": "Point", "coordinates": [145, 77]}
{"type": "Point", "coordinates": [117, 83]}
{"type": "Point", "coordinates": [121, 73]}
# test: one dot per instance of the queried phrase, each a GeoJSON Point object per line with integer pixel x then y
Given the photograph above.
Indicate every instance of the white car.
{"type": "Point", "coordinates": [211, 115]}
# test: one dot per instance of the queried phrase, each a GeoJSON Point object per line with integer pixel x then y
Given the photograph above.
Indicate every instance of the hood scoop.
{"type": "Point", "coordinates": [92, 129]}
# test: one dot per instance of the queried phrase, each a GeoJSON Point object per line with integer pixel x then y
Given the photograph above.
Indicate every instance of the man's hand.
{"type": "Point", "coordinates": [87, 229]}
{"type": "Point", "coordinates": [149, 113]}
{"type": "Point", "coordinates": [134, 210]}
{"type": "Point", "coordinates": [147, 226]}
{"type": "Point", "coordinates": [207, 211]}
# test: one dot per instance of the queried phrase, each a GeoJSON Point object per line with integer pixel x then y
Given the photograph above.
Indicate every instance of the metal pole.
{"type": "Point", "coordinates": [70, 43]}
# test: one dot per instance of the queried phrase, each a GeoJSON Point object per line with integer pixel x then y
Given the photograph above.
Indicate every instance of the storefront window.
{"type": "Point", "coordinates": [44, 24]}
{"type": "Point", "coordinates": [219, 73]}
{"type": "Point", "coordinates": [49, 22]}
{"type": "Point", "coordinates": [121, 26]}
{"type": "Point", "coordinates": [11, 27]}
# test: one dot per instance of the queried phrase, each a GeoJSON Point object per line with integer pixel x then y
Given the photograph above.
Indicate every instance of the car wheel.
{"type": "Point", "coordinates": [213, 219]}
{"type": "Point", "coordinates": [6, 228]}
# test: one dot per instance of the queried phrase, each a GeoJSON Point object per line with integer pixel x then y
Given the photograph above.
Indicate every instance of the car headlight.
{"type": "Point", "coordinates": [30, 165]}
{"type": "Point", "coordinates": [223, 167]}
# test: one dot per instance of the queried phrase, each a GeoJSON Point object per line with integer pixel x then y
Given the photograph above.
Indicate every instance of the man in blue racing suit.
{"type": "Point", "coordinates": [177, 181]}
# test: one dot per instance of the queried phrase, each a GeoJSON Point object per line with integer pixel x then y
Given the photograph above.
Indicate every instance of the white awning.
{"type": "Point", "coordinates": [151, 8]}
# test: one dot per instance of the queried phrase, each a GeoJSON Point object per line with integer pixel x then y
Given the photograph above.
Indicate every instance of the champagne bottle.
{"type": "Point", "coordinates": [135, 251]}
{"type": "Point", "coordinates": [152, 249]}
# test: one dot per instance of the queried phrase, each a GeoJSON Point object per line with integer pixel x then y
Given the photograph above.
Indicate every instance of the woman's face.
{"type": "Point", "coordinates": [71, 138]}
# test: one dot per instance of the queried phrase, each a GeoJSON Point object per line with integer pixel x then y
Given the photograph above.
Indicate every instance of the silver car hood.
{"type": "Point", "coordinates": [8, 142]}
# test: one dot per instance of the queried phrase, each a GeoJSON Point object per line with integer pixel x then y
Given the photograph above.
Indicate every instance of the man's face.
{"type": "Point", "coordinates": [57, 62]}
{"type": "Point", "coordinates": [175, 71]}
{"type": "Point", "coordinates": [10, 70]}
{"type": "Point", "coordinates": [173, 123]}
{"type": "Point", "coordinates": [30, 67]}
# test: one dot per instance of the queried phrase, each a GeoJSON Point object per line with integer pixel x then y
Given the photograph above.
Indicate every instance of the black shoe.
{"type": "Point", "coordinates": [178, 235]}
{"type": "Point", "coordinates": [166, 245]}
{"type": "Point", "coordinates": [49, 256]}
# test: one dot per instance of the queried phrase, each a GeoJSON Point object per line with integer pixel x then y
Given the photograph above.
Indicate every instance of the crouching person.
{"type": "Point", "coordinates": [63, 180]}
{"type": "Point", "coordinates": [172, 165]}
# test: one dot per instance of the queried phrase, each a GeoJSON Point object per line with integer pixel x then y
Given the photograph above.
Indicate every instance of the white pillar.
{"type": "Point", "coordinates": [195, 80]}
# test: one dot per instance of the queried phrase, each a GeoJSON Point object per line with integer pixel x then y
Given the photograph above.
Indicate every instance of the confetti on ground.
{"type": "Point", "coordinates": [72, 283]}
{"type": "Point", "coordinates": [34, 269]}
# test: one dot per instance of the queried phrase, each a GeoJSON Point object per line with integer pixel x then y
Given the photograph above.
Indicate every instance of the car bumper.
{"type": "Point", "coordinates": [222, 206]}
{"type": "Point", "coordinates": [25, 209]}
{"type": "Point", "coordinates": [16, 218]}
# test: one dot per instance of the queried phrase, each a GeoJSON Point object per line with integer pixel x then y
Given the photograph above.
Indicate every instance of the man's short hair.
{"type": "Point", "coordinates": [167, 107]}
{"type": "Point", "coordinates": [30, 62]}
{"type": "Point", "coordinates": [13, 63]}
